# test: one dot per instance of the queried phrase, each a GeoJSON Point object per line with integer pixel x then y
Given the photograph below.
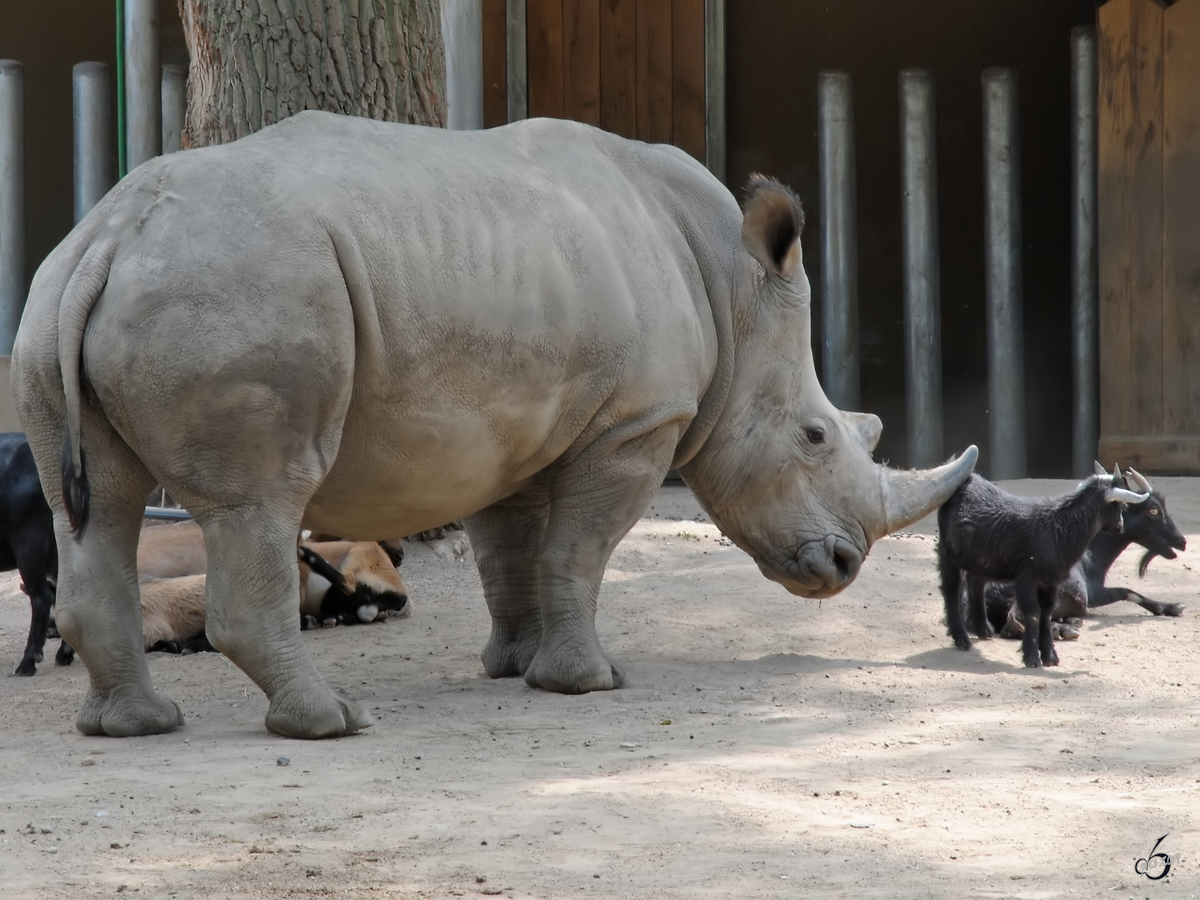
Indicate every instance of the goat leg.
{"type": "Point", "coordinates": [1045, 596]}
{"type": "Point", "coordinates": [952, 597]}
{"type": "Point", "coordinates": [1106, 595]}
{"type": "Point", "coordinates": [977, 618]}
{"type": "Point", "coordinates": [1027, 601]}
{"type": "Point", "coordinates": [41, 599]}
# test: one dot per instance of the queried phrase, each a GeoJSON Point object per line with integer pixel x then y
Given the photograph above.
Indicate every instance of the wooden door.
{"type": "Point", "coordinates": [633, 67]}
{"type": "Point", "coordinates": [1149, 234]}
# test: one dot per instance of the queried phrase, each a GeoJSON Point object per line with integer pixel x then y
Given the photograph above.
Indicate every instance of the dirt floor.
{"type": "Point", "coordinates": [763, 746]}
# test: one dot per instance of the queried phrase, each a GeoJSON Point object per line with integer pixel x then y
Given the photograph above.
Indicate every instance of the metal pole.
{"type": "Point", "coordinates": [1002, 254]}
{"type": "Point", "coordinates": [1085, 432]}
{"type": "Point", "coordinates": [839, 239]}
{"type": "Point", "coordinates": [715, 149]}
{"type": "Point", "coordinates": [92, 113]}
{"type": "Point", "coordinates": [922, 268]}
{"type": "Point", "coordinates": [462, 35]}
{"type": "Point", "coordinates": [518, 73]}
{"type": "Point", "coordinates": [12, 200]}
{"type": "Point", "coordinates": [174, 106]}
{"type": "Point", "coordinates": [143, 82]}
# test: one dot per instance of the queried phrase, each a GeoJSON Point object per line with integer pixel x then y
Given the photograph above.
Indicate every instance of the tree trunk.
{"type": "Point", "coordinates": [255, 62]}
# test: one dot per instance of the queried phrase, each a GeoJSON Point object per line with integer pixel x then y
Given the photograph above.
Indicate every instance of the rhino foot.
{"type": "Point", "coordinates": [316, 715]}
{"type": "Point", "coordinates": [573, 672]}
{"type": "Point", "coordinates": [128, 716]}
{"type": "Point", "coordinates": [507, 656]}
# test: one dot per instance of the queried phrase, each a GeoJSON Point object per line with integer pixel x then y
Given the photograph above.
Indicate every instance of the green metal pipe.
{"type": "Point", "coordinates": [122, 156]}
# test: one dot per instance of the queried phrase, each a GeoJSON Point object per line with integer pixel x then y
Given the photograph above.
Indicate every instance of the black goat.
{"type": "Point", "coordinates": [1146, 523]}
{"type": "Point", "coordinates": [27, 540]}
{"type": "Point", "coordinates": [991, 535]}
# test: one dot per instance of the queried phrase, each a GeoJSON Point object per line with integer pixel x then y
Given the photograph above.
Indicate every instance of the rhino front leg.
{"type": "Point", "coordinates": [596, 498]}
{"type": "Point", "coordinates": [253, 618]}
{"type": "Point", "coordinates": [507, 541]}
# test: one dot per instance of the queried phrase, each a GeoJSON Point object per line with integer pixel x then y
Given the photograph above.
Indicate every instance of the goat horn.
{"type": "Point", "coordinates": [1139, 480]}
{"type": "Point", "coordinates": [1100, 470]}
{"type": "Point", "coordinates": [1120, 495]}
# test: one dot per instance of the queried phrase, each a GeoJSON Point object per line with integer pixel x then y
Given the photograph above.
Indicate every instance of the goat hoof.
{"type": "Point", "coordinates": [26, 668]}
{"type": "Point", "coordinates": [1173, 609]}
{"type": "Point", "coordinates": [1064, 632]}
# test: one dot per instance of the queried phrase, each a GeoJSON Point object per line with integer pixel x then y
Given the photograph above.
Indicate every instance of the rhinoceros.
{"type": "Point", "coordinates": [370, 329]}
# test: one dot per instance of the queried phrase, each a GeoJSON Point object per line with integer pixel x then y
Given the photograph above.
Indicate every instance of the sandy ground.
{"type": "Point", "coordinates": [764, 746]}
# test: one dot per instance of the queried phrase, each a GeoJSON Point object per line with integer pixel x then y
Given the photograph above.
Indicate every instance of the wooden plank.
{"type": "Point", "coordinates": [1181, 220]}
{"type": "Point", "coordinates": [687, 76]}
{"type": "Point", "coordinates": [544, 43]}
{"type": "Point", "coordinates": [495, 65]}
{"type": "Point", "coordinates": [1144, 142]}
{"type": "Point", "coordinates": [1112, 207]}
{"type": "Point", "coordinates": [581, 60]}
{"type": "Point", "coordinates": [1153, 454]}
{"type": "Point", "coordinates": [654, 70]}
{"type": "Point", "coordinates": [618, 66]}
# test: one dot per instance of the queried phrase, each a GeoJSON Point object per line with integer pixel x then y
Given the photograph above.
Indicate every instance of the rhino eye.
{"type": "Point", "coordinates": [815, 435]}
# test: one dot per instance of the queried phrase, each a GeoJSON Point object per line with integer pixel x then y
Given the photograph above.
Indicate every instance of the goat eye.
{"type": "Point", "coordinates": [815, 435]}
{"type": "Point", "coordinates": [1154, 512]}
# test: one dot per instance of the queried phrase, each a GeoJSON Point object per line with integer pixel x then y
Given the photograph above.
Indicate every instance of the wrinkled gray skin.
{"type": "Point", "coordinates": [370, 329]}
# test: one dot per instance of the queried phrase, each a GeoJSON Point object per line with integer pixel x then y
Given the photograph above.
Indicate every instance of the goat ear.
{"type": "Point", "coordinates": [1100, 470]}
{"type": "Point", "coordinates": [771, 225]}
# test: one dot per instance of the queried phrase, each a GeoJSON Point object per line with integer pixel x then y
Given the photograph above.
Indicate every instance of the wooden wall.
{"type": "Point", "coordinates": [1149, 222]}
{"type": "Point", "coordinates": [633, 67]}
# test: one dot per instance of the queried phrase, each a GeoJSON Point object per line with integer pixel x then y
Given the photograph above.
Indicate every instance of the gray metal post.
{"type": "Point", "coordinates": [92, 114]}
{"type": "Point", "coordinates": [839, 239]}
{"type": "Point", "coordinates": [518, 60]}
{"type": "Point", "coordinates": [715, 149]}
{"type": "Point", "coordinates": [462, 35]}
{"type": "Point", "coordinates": [12, 200]}
{"type": "Point", "coordinates": [922, 268]}
{"type": "Point", "coordinates": [1085, 432]}
{"type": "Point", "coordinates": [1002, 264]}
{"type": "Point", "coordinates": [174, 106]}
{"type": "Point", "coordinates": [143, 83]}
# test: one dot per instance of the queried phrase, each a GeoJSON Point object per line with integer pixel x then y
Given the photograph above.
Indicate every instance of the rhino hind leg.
{"type": "Point", "coordinates": [506, 539]}
{"type": "Point", "coordinates": [253, 619]}
{"type": "Point", "coordinates": [596, 498]}
{"type": "Point", "coordinates": [98, 611]}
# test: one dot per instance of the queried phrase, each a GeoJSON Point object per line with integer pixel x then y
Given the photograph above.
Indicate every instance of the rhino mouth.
{"type": "Point", "coordinates": [816, 569]}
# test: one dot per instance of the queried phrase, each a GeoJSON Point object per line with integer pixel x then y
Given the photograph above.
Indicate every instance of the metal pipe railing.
{"type": "Point", "coordinates": [839, 240]}
{"type": "Point", "coordinates": [12, 200]}
{"type": "Point", "coordinates": [922, 266]}
{"type": "Point", "coordinates": [1002, 264]}
{"type": "Point", "coordinates": [1085, 430]}
{"type": "Point", "coordinates": [92, 115]}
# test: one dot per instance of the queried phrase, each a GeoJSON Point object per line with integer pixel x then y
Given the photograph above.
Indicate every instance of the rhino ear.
{"type": "Point", "coordinates": [771, 225]}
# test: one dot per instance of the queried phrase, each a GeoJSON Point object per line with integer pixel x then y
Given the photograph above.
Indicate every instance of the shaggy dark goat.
{"type": "Point", "coordinates": [27, 540]}
{"type": "Point", "coordinates": [988, 534]}
{"type": "Point", "coordinates": [1146, 523]}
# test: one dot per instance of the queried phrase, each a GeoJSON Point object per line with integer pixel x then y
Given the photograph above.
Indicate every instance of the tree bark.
{"type": "Point", "coordinates": [256, 62]}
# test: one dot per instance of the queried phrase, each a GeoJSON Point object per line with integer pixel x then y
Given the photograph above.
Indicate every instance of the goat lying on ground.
{"type": "Point", "coordinates": [343, 582]}
{"type": "Point", "coordinates": [1146, 523]}
{"type": "Point", "coordinates": [991, 535]}
{"type": "Point", "coordinates": [27, 540]}
{"type": "Point", "coordinates": [340, 583]}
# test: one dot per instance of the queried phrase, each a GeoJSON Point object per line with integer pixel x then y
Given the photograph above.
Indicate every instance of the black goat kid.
{"type": "Point", "coordinates": [1146, 523]}
{"type": "Point", "coordinates": [988, 534]}
{"type": "Point", "coordinates": [27, 540]}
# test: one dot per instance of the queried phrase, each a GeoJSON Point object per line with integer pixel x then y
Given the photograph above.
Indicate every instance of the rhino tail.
{"type": "Point", "coordinates": [79, 297]}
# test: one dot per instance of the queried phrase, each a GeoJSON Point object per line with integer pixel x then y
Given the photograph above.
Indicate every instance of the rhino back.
{"type": "Point", "coordinates": [469, 302]}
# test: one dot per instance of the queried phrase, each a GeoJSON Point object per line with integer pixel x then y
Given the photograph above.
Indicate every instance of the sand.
{"type": "Point", "coordinates": [763, 746]}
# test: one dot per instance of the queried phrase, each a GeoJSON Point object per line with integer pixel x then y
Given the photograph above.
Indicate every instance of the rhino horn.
{"type": "Point", "coordinates": [911, 495]}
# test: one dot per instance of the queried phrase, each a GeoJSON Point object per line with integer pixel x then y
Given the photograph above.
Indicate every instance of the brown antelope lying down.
{"type": "Point", "coordinates": [341, 583]}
